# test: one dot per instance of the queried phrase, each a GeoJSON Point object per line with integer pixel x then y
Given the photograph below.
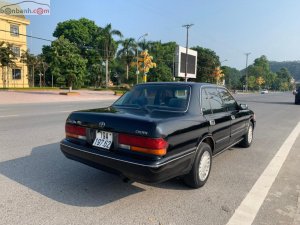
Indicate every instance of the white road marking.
{"type": "Point", "coordinates": [248, 209]}
{"type": "Point", "coordinates": [9, 116]}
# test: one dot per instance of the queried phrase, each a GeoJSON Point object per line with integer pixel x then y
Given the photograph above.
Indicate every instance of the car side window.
{"type": "Point", "coordinates": [216, 102]}
{"type": "Point", "coordinates": [205, 105]}
{"type": "Point", "coordinates": [229, 102]}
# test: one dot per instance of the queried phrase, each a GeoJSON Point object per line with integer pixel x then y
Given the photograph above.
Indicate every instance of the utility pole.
{"type": "Point", "coordinates": [187, 26]}
{"type": "Point", "coordinates": [247, 55]}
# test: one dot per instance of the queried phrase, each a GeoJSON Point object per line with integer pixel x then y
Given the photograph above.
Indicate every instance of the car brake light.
{"type": "Point", "coordinates": [154, 146]}
{"type": "Point", "coordinates": [75, 132]}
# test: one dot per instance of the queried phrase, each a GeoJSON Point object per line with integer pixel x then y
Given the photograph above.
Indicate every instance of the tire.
{"type": "Point", "coordinates": [200, 171]}
{"type": "Point", "coordinates": [248, 137]}
{"type": "Point", "coordinates": [297, 101]}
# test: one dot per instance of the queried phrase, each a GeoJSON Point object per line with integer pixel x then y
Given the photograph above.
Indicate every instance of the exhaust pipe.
{"type": "Point", "coordinates": [126, 179]}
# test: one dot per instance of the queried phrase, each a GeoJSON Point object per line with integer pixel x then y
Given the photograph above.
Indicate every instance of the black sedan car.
{"type": "Point", "coordinates": [297, 96]}
{"type": "Point", "coordinates": [158, 131]}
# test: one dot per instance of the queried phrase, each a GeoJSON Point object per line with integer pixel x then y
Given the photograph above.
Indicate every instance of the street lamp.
{"type": "Point", "coordinates": [137, 57]}
{"type": "Point", "coordinates": [247, 54]}
{"type": "Point", "coordinates": [187, 26]}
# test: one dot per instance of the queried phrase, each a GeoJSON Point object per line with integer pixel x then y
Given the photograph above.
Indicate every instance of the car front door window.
{"type": "Point", "coordinates": [215, 100]}
{"type": "Point", "coordinates": [229, 102]}
{"type": "Point", "coordinates": [205, 105]}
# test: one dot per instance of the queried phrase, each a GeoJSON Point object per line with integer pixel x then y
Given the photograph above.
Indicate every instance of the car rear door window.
{"type": "Point", "coordinates": [229, 102]}
{"type": "Point", "coordinates": [216, 102]}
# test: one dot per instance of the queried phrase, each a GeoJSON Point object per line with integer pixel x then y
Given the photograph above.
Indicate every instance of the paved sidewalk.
{"type": "Point", "coordinates": [18, 97]}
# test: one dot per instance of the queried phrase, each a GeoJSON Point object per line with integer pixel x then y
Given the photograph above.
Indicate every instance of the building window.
{"type": "Point", "coordinates": [14, 30]}
{"type": "Point", "coordinates": [16, 50]}
{"type": "Point", "coordinates": [16, 74]}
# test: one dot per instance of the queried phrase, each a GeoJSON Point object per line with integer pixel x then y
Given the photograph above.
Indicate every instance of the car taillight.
{"type": "Point", "coordinates": [74, 131]}
{"type": "Point", "coordinates": [154, 146]}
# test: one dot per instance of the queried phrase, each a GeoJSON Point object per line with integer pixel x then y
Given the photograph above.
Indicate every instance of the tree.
{"type": "Point", "coordinates": [281, 80]}
{"type": "Point", "coordinates": [260, 81]}
{"type": "Point", "coordinates": [217, 75]}
{"type": "Point", "coordinates": [127, 52]}
{"type": "Point", "coordinates": [48, 56]}
{"type": "Point", "coordinates": [284, 74]}
{"type": "Point", "coordinates": [86, 35]}
{"type": "Point", "coordinates": [42, 67]}
{"type": "Point", "coordinates": [252, 82]}
{"type": "Point", "coordinates": [145, 63]}
{"type": "Point", "coordinates": [292, 66]}
{"type": "Point", "coordinates": [80, 32]}
{"type": "Point", "coordinates": [110, 46]}
{"type": "Point", "coordinates": [207, 61]}
{"type": "Point", "coordinates": [232, 77]}
{"type": "Point", "coordinates": [68, 64]}
{"type": "Point", "coordinates": [7, 60]}
{"type": "Point", "coordinates": [162, 72]}
{"type": "Point", "coordinates": [284, 79]}
{"type": "Point", "coordinates": [261, 68]}
{"type": "Point", "coordinates": [31, 61]}
{"type": "Point", "coordinates": [164, 55]}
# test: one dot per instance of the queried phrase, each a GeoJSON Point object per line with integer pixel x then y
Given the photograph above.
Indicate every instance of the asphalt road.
{"type": "Point", "coordinates": [38, 185]}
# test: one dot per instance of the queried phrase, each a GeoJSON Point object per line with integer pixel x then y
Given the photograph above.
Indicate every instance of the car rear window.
{"type": "Point", "coordinates": [157, 97]}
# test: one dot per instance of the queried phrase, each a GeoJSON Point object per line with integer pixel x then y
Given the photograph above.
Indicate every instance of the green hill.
{"type": "Point", "coordinates": [292, 66]}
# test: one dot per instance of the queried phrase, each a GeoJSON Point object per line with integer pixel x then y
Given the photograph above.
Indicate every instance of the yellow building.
{"type": "Point", "coordinates": [13, 31]}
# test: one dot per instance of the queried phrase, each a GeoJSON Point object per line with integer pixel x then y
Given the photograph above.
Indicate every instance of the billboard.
{"type": "Point", "coordinates": [180, 66]}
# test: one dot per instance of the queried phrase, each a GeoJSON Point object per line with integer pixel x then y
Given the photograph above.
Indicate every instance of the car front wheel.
{"type": "Point", "coordinates": [200, 171]}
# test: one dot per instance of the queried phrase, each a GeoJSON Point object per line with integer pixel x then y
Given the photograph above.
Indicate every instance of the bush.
{"type": "Point", "coordinates": [120, 92]}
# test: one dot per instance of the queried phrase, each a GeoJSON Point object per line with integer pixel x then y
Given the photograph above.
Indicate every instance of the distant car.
{"type": "Point", "coordinates": [297, 96]}
{"type": "Point", "coordinates": [264, 92]}
{"type": "Point", "coordinates": [158, 131]}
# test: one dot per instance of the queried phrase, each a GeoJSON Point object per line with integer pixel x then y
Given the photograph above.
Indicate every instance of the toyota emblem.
{"type": "Point", "coordinates": [101, 124]}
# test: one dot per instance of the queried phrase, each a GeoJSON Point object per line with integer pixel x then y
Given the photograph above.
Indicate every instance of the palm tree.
{"type": "Point", "coordinates": [7, 60]}
{"type": "Point", "coordinates": [127, 52]}
{"type": "Point", "coordinates": [110, 45]}
{"type": "Point", "coordinates": [146, 45]}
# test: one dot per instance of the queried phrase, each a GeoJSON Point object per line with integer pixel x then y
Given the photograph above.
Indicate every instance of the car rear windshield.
{"type": "Point", "coordinates": [157, 97]}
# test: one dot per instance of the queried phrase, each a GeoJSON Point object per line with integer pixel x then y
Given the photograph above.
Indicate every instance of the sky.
{"type": "Point", "coordinates": [231, 28]}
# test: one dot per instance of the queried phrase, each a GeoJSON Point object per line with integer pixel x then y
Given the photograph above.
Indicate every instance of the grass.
{"type": "Point", "coordinates": [120, 92]}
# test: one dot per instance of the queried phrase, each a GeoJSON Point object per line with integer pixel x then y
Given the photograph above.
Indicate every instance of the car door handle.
{"type": "Point", "coordinates": [232, 117]}
{"type": "Point", "coordinates": [212, 122]}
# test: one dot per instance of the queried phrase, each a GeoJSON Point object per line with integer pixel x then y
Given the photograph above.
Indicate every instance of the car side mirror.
{"type": "Point", "coordinates": [243, 106]}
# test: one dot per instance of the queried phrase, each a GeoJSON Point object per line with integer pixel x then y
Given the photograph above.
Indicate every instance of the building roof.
{"type": "Point", "coordinates": [15, 18]}
{"type": "Point", "coordinates": [4, 5]}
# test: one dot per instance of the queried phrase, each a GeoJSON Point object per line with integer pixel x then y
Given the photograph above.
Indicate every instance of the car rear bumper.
{"type": "Point", "coordinates": [139, 170]}
{"type": "Point", "coordinates": [297, 99]}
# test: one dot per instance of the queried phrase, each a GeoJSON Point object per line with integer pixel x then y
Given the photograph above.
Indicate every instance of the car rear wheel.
{"type": "Point", "coordinates": [200, 171]}
{"type": "Point", "coordinates": [248, 137]}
